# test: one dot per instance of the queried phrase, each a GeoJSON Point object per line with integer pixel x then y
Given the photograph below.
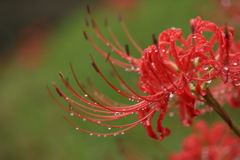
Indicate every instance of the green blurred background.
{"type": "Point", "coordinates": [39, 39]}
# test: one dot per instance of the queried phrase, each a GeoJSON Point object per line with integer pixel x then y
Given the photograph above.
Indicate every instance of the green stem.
{"type": "Point", "coordinates": [221, 111]}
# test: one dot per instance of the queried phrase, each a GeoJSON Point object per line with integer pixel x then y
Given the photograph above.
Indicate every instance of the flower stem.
{"type": "Point", "coordinates": [221, 112]}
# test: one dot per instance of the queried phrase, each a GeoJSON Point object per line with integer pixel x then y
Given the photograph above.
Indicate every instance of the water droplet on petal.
{"type": "Point", "coordinates": [237, 83]}
{"type": "Point", "coordinates": [225, 68]}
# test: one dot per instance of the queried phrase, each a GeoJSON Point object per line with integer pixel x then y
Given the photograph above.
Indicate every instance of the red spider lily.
{"type": "Point", "coordinates": [173, 76]}
{"type": "Point", "coordinates": [215, 143]}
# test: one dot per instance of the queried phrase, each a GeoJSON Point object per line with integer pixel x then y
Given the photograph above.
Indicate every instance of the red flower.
{"type": "Point", "coordinates": [215, 143]}
{"type": "Point", "coordinates": [169, 73]}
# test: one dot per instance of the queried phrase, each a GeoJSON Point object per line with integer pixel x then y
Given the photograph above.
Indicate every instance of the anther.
{"type": "Point", "coordinates": [88, 9]}
{"type": "Point", "coordinates": [85, 35]}
{"type": "Point", "coordinates": [105, 22]}
{"type": "Point", "coordinates": [127, 50]}
{"type": "Point", "coordinates": [226, 32]}
{"type": "Point", "coordinates": [86, 22]}
{"type": "Point", "coordinates": [154, 39]}
{"type": "Point", "coordinates": [61, 75]}
{"type": "Point", "coordinates": [107, 58]}
{"type": "Point", "coordinates": [67, 80]}
{"type": "Point", "coordinates": [57, 89]}
{"type": "Point", "coordinates": [119, 17]}
{"type": "Point", "coordinates": [94, 64]}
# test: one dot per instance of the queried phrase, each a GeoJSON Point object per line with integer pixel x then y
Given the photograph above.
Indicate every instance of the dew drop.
{"type": "Point", "coordinates": [235, 63]}
{"type": "Point", "coordinates": [237, 83]}
{"type": "Point", "coordinates": [122, 133]}
{"type": "Point", "coordinates": [205, 68]}
{"type": "Point", "coordinates": [85, 95]}
{"type": "Point", "coordinates": [90, 134]}
{"type": "Point", "coordinates": [84, 119]}
{"type": "Point", "coordinates": [105, 135]}
{"type": "Point", "coordinates": [71, 114]}
{"type": "Point", "coordinates": [225, 68]}
{"type": "Point", "coordinates": [171, 114]}
{"type": "Point", "coordinates": [109, 128]}
{"type": "Point", "coordinates": [209, 81]}
{"type": "Point", "coordinates": [77, 129]}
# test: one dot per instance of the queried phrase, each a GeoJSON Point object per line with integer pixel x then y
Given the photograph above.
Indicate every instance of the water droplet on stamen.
{"type": "Point", "coordinates": [205, 68]}
{"type": "Point", "coordinates": [171, 114]}
{"type": "Point", "coordinates": [209, 81]}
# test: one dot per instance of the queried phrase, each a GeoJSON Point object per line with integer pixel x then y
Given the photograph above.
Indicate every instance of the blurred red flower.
{"type": "Point", "coordinates": [215, 143]}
